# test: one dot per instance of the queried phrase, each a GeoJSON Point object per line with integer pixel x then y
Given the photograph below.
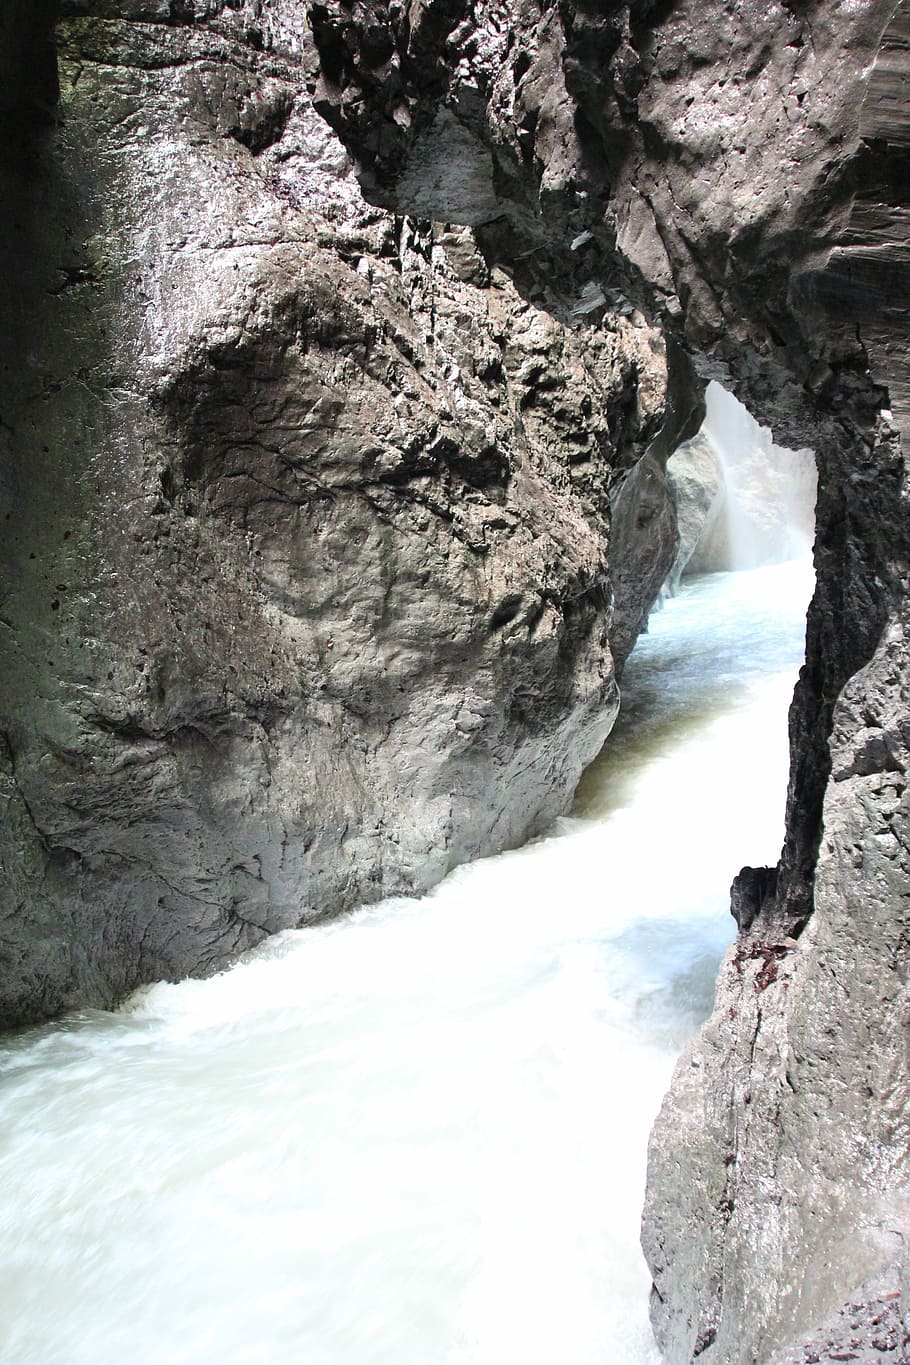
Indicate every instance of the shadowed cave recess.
{"type": "Point", "coordinates": [346, 346]}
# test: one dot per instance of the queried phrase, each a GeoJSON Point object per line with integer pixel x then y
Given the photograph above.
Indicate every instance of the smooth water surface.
{"type": "Point", "coordinates": [416, 1136]}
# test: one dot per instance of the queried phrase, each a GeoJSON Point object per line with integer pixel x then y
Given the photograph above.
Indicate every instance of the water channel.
{"type": "Point", "coordinates": [416, 1136]}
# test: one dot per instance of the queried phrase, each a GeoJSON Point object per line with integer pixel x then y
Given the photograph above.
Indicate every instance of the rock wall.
{"type": "Point", "coordinates": [737, 174]}
{"type": "Point", "coordinates": [324, 527]}
{"type": "Point", "coordinates": [696, 485]}
{"type": "Point", "coordinates": [306, 592]}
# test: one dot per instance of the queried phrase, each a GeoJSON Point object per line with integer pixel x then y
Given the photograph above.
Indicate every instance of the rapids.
{"type": "Point", "coordinates": [416, 1136]}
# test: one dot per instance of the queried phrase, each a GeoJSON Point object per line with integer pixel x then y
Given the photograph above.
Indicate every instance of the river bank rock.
{"type": "Point", "coordinates": [325, 530]}
{"type": "Point", "coordinates": [697, 489]}
{"type": "Point", "coordinates": [306, 583]}
{"type": "Point", "coordinates": [871, 1329]}
{"type": "Point", "coordinates": [736, 174]}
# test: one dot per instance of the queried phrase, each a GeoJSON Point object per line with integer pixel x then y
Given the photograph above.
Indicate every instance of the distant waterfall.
{"type": "Point", "coordinates": [742, 501]}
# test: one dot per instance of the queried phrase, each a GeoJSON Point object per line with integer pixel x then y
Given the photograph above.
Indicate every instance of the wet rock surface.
{"type": "Point", "coordinates": [697, 488]}
{"type": "Point", "coordinates": [872, 1330]}
{"type": "Point", "coordinates": [306, 592]}
{"type": "Point", "coordinates": [314, 518]}
{"type": "Point", "coordinates": [707, 165]}
{"type": "Point", "coordinates": [738, 174]}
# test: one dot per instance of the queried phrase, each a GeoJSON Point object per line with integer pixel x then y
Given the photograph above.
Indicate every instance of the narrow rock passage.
{"type": "Point", "coordinates": [418, 1135]}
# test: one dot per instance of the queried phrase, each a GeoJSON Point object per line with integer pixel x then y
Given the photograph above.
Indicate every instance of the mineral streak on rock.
{"type": "Point", "coordinates": [305, 584]}
{"type": "Point", "coordinates": [737, 173]}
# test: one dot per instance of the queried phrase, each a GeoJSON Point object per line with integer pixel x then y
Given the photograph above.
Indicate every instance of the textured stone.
{"type": "Point", "coordinates": [705, 162]}
{"type": "Point", "coordinates": [696, 486]}
{"type": "Point", "coordinates": [315, 519]}
{"type": "Point", "coordinates": [871, 1329]}
{"type": "Point", "coordinates": [305, 581]}
{"type": "Point", "coordinates": [737, 173]}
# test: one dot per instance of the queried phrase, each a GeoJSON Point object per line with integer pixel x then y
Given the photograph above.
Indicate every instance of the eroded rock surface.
{"type": "Point", "coordinates": [305, 582]}
{"type": "Point", "coordinates": [872, 1329]}
{"type": "Point", "coordinates": [696, 484]}
{"type": "Point", "coordinates": [314, 518]}
{"type": "Point", "coordinates": [738, 173]}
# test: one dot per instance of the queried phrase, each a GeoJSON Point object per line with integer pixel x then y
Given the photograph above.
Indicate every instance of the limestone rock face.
{"type": "Point", "coordinates": [323, 528]}
{"type": "Point", "coordinates": [781, 1147]}
{"type": "Point", "coordinates": [737, 173]}
{"type": "Point", "coordinates": [871, 1329]}
{"type": "Point", "coordinates": [712, 166]}
{"type": "Point", "coordinates": [305, 577]}
{"type": "Point", "coordinates": [697, 488]}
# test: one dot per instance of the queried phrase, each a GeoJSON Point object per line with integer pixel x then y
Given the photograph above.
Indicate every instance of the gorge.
{"type": "Point", "coordinates": [418, 1133]}
{"type": "Point", "coordinates": [334, 503]}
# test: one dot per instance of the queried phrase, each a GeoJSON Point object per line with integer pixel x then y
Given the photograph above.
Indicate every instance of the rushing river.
{"type": "Point", "coordinates": [416, 1136]}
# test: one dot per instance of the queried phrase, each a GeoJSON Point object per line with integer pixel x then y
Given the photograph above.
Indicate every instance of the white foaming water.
{"type": "Point", "coordinates": [769, 504]}
{"type": "Point", "coordinates": [416, 1136]}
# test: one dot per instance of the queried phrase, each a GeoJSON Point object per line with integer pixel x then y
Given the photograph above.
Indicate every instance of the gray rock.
{"type": "Point", "coordinates": [305, 588]}
{"type": "Point", "coordinates": [741, 173]}
{"type": "Point", "coordinates": [782, 1145]}
{"type": "Point", "coordinates": [872, 1329]}
{"type": "Point", "coordinates": [696, 486]}
{"type": "Point", "coordinates": [315, 519]}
